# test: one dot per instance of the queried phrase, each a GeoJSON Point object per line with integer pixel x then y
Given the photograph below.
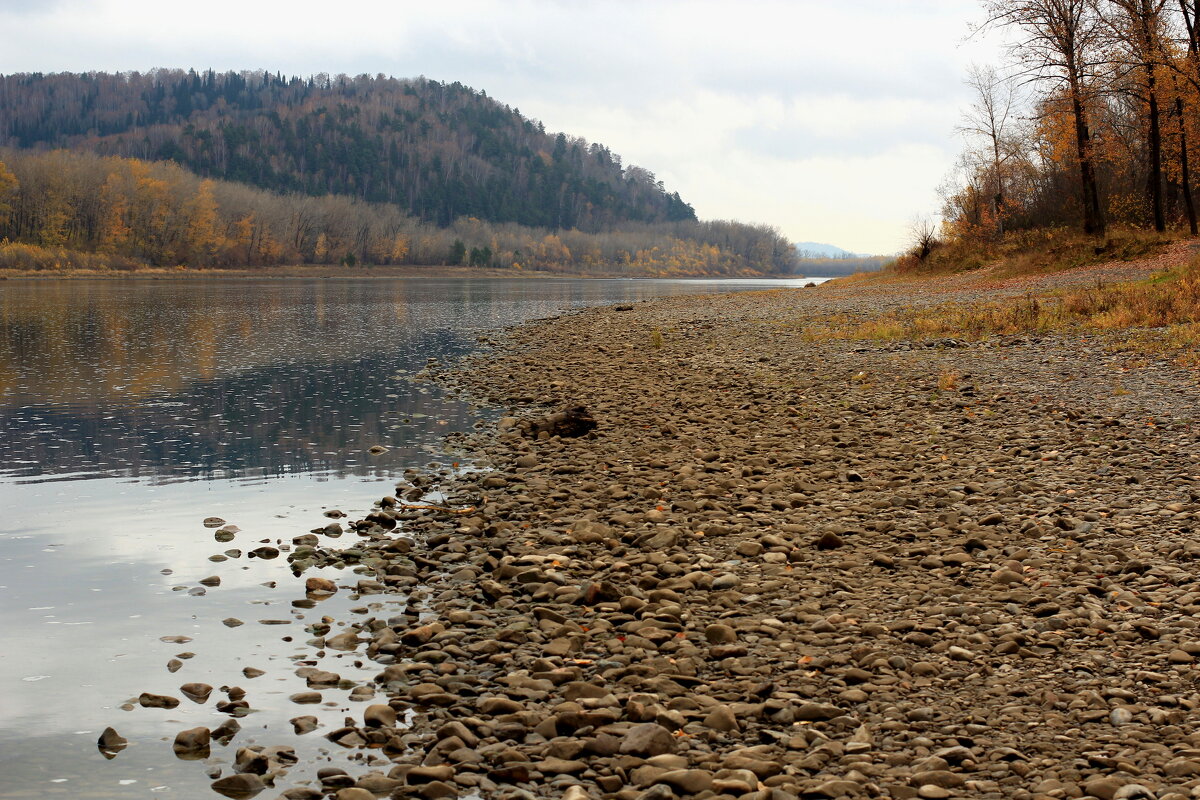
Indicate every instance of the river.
{"type": "Point", "coordinates": [132, 410]}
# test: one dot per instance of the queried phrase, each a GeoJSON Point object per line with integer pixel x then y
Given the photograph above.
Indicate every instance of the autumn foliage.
{"type": "Point", "coordinates": [1093, 123]}
{"type": "Point", "coordinates": [440, 151]}
{"type": "Point", "coordinates": [73, 209]}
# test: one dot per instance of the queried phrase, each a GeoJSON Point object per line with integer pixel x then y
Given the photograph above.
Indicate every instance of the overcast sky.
{"type": "Point", "coordinates": [832, 120]}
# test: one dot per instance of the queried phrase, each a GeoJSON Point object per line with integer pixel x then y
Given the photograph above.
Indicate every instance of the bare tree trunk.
{"type": "Point", "coordinates": [998, 198]}
{"type": "Point", "coordinates": [1147, 17]}
{"type": "Point", "coordinates": [1185, 175]}
{"type": "Point", "coordinates": [1093, 218]}
{"type": "Point", "coordinates": [1155, 180]}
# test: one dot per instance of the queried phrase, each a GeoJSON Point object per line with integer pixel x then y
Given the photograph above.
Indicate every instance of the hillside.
{"type": "Point", "coordinates": [65, 209]}
{"type": "Point", "coordinates": [438, 151]}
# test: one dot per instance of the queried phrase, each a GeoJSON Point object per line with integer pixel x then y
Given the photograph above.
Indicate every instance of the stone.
{"type": "Point", "coordinates": [379, 715]}
{"type": "Point", "coordinates": [304, 724]}
{"type": "Point", "coordinates": [960, 654]}
{"type": "Point", "coordinates": [937, 777]}
{"type": "Point", "coordinates": [1104, 788]}
{"type": "Point", "coordinates": [688, 781]}
{"type": "Point", "coordinates": [829, 541]}
{"type": "Point", "coordinates": [721, 718]}
{"type": "Point", "coordinates": [419, 775]}
{"type": "Point", "coordinates": [148, 700]}
{"type": "Point", "coordinates": [734, 781]}
{"type": "Point", "coordinates": [226, 730]}
{"type": "Point", "coordinates": [192, 743]}
{"type": "Point", "coordinates": [343, 641]}
{"type": "Point", "coordinates": [718, 633]}
{"type": "Point", "coordinates": [306, 697]}
{"type": "Point", "coordinates": [196, 692]}
{"type": "Point", "coordinates": [318, 585]}
{"type": "Point", "coordinates": [1180, 657]}
{"type": "Point", "coordinates": [239, 786]}
{"type": "Point", "coordinates": [499, 705]}
{"type": "Point", "coordinates": [110, 743]}
{"type": "Point", "coordinates": [560, 766]}
{"type": "Point", "coordinates": [815, 712]}
{"type": "Point", "coordinates": [725, 582]}
{"type": "Point", "coordinates": [354, 793]}
{"type": "Point", "coordinates": [647, 739]}
{"type": "Point", "coordinates": [834, 789]}
{"type": "Point", "coordinates": [377, 784]}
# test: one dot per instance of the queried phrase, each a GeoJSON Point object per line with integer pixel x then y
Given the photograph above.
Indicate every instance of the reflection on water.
{"type": "Point", "coordinates": [131, 410]}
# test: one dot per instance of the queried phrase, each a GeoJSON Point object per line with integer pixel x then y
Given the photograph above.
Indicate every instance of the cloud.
{"type": "Point", "coordinates": [707, 94]}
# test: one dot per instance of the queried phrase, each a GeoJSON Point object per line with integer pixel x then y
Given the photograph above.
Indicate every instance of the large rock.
{"type": "Point", "coordinates": [379, 715]}
{"type": "Point", "coordinates": [241, 786]}
{"type": "Point", "coordinates": [196, 692]}
{"type": "Point", "coordinates": [149, 700]}
{"type": "Point", "coordinates": [192, 744]}
{"type": "Point", "coordinates": [316, 585]}
{"type": "Point", "coordinates": [648, 739]}
{"type": "Point", "coordinates": [110, 743]}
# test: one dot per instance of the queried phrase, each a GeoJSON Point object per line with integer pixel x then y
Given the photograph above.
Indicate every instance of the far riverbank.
{"type": "Point", "coordinates": [327, 271]}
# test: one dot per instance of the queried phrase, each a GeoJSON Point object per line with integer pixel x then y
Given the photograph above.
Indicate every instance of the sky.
{"type": "Point", "coordinates": [833, 121]}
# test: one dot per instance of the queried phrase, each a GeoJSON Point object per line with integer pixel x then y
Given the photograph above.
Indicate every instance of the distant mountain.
{"type": "Point", "coordinates": [819, 250]}
{"type": "Point", "coordinates": [440, 151]}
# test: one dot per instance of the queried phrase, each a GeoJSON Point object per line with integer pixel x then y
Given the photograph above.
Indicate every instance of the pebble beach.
{"type": "Point", "coordinates": [765, 568]}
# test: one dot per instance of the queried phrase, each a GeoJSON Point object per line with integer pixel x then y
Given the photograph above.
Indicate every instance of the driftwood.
{"type": "Point", "coordinates": [571, 422]}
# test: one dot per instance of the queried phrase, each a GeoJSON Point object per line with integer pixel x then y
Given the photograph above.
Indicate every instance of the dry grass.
{"type": "Point", "coordinates": [1034, 252]}
{"type": "Point", "coordinates": [1169, 304]}
{"type": "Point", "coordinates": [33, 258]}
{"type": "Point", "coordinates": [948, 381]}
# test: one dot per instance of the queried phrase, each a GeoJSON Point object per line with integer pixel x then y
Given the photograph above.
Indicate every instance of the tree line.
{"type": "Point", "coordinates": [439, 151]}
{"type": "Point", "coordinates": [1092, 121]}
{"type": "Point", "coordinates": [76, 208]}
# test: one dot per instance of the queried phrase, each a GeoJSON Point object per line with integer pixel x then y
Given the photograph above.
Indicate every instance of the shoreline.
{"type": "Point", "coordinates": [301, 271]}
{"type": "Point", "coordinates": [790, 569]}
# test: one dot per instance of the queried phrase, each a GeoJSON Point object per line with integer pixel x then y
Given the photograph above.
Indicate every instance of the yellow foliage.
{"type": "Point", "coordinates": [399, 249]}
{"type": "Point", "coordinates": [9, 185]}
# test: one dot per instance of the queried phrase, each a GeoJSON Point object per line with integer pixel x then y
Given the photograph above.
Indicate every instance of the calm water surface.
{"type": "Point", "coordinates": [130, 411]}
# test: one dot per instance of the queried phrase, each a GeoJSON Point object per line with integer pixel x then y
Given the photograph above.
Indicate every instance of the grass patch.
{"type": "Point", "coordinates": [1169, 302]}
{"type": "Point", "coordinates": [1034, 252]}
{"type": "Point", "coordinates": [948, 381]}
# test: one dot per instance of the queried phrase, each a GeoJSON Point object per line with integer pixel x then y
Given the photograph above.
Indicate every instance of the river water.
{"type": "Point", "coordinates": [131, 411]}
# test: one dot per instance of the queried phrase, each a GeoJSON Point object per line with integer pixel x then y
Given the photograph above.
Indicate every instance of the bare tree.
{"type": "Point", "coordinates": [1059, 43]}
{"type": "Point", "coordinates": [1190, 11]}
{"type": "Point", "coordinates": [991, 117]}
{"type": "Point", "coordinates": [923, 238]}
{"type": "Point", "coordinates": [1136, 39]}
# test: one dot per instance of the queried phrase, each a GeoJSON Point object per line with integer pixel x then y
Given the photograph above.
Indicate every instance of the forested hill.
{"type": "Point", "coordinates": [439, 151]}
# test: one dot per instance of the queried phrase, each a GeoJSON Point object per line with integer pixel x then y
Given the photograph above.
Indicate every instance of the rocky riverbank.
{"type": "Point", "coordinates": [785, 569]}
